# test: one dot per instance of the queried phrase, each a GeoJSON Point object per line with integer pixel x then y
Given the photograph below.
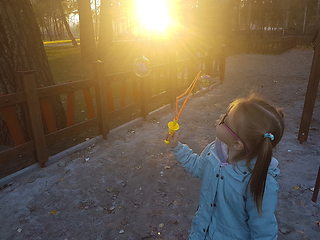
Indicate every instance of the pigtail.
{"type": "Point", "coordinates": [261, 127]}
{"type": "Point", "coordinates": [259, 174]}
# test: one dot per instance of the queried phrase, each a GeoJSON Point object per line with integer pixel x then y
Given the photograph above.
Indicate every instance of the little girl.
{"type": "Point", "coordinates": [239, 191]}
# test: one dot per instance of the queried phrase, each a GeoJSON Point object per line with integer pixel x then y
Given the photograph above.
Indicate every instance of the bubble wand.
{"type": "Point", "coordinates": [174, 126]}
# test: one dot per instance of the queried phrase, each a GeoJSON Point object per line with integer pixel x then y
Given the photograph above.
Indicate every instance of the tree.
{"type": "Point", "coordinates": [66, 24]}
{"type": "Point", "coordinates": [87, 42]}
{"type": "Point", "coordinates": [51, 17]}
{"type": "Point", "coordinates": [21, 49]}
{"type": "Point", "coordinates": [106, 31]}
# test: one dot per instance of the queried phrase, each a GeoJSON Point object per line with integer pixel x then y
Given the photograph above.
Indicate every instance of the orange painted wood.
{"type": "Point", "coordinates": [64, 88]}
{"type": "Point", "coordinates": [89, 103]}
{"type": "Point", "coordinates": [135, 89]}
{"type": "Point", "coordinates": [48, 114]}
{"type": "Point", "coordinates": [109, 97]}
{"type": "Point", "coordinates": [13, 124]}
{"type": "Point", "coordinates": [70, 109]}
{"type": "Point", "coordinates": [123, 93]}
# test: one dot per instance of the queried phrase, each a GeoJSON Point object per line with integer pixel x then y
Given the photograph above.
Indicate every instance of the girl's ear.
{"type": "Point", "coordinates": [238, 145]}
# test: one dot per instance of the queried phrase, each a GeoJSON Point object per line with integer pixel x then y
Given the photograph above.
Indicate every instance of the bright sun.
{"type": "Point", "coordinates": [153, 14]}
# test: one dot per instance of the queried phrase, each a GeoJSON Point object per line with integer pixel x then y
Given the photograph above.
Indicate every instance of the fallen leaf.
{"type": "Point", "coordinates": [109, 189]}
{"type": "Point", "coordinates": [54, 212]}
{"type": "Point", "coordinates": [297, 188]}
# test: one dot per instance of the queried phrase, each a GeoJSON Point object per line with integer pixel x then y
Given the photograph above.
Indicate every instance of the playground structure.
{"type": "Point", "coordinates": [166, 81]}
{"type": "Point", "coordinates": [310, 99]}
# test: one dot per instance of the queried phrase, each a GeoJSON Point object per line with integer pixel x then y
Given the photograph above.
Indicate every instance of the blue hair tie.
{"type": "Point", "coordinates": [269, 135]}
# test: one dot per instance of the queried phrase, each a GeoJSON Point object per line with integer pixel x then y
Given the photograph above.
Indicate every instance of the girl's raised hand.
{"type": "Point", "coordinates": [173, 139]}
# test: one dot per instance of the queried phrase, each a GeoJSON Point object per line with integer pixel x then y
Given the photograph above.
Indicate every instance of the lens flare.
{"type": "Point", "coordinates": [153, 14]}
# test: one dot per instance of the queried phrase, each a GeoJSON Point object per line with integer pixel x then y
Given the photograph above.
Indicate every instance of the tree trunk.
{"type": "Point", "coordinates": [106, 31]}
{"type": "Point", "coordinates": [66, 24]}
{"type": "Point", "coordinates": [87, 43]}
{"type": "Point", "coordinates": [317, 16]}
{"type": "Point", "coordinates": [21, 49]}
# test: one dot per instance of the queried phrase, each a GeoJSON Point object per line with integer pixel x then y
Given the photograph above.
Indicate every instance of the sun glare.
{"type": "Point", "coordinates": [153, 14]}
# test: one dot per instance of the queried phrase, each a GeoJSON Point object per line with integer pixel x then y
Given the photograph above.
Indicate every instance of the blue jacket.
{"type": "Point", "coordinates": [226, 210]}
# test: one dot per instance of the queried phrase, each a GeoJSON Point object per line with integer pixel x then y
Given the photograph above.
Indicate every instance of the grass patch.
{"type": "Point", "coordinates": [66, 65]}
{"type": "Point", "coordinates": [59, 41]}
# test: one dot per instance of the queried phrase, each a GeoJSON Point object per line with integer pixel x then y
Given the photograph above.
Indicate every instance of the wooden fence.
{"type": "Point", "coordinates": [161, 87]}
{"type": "Point", "coordinates": [271, 45]}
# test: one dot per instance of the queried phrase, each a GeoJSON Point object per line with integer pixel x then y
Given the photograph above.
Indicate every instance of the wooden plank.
{"type": "Point", "coordinates": [17, 151]}
{"type": "Point", "coordinates": [48, 114]}
{"type": "Point", "coordinates": [70, 109]}
{"type": "Point", "coordinates": [89, 103]}
{"type": "Point", "coordinates": [13, 124]}
{"type": "Point", "coordinates": [124, 111]}
{"type": "Point", "coordinates": [13, 98]}
{"type": "Point", "coordinates": [34, 114]}
{"type": "Point", "coordinates": [64, 88]}
{"type": "Point", "coordinates": [70, 131]}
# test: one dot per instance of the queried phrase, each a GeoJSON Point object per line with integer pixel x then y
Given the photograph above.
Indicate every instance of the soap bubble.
{"type": "Point", "coordinates": [205, 82]}
{"type": "Point", "coordinates": [141, 66]}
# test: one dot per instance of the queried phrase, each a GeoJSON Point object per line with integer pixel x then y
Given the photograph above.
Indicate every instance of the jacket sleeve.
{"type": "Point", "coordinates": [192, 162]}
{"type": "Point", "coordinates": [264, 226]}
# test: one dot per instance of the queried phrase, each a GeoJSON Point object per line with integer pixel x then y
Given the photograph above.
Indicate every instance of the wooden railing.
{"type": "Point", "coordinates": [271, 45]}
{"type": "Point", "coordinates": [149, 93]}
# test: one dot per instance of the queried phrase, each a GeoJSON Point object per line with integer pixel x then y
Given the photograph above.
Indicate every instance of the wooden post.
{"type": "Point", "coordinates": [101, 95]}
{"type": "Point", "coordinates": [34, 114]}
{"type": "Point", "coordinates": [143, 97]}
{"type": "Point", "coordinates": [172, 78]}
{"type": "Point", "coordinates": [222, 64]}
{"type": "Point", "coordinates": [311, 94]}
{"type": "Point", "coordinates": [316, 188]}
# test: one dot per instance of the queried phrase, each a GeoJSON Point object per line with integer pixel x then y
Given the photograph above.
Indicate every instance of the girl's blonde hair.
{"type": "Point", "coordinates": [253, 118]}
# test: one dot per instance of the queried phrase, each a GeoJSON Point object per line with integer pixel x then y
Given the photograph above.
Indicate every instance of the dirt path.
{"type": "Point", "coordinates": [130, 186]}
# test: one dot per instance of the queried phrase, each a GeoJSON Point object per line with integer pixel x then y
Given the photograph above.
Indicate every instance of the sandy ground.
{"type": "Point", "coordinates": [130, 186]}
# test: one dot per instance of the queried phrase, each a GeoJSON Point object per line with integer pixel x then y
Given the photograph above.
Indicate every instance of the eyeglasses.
{"type": "Point", "coordinates": [230, 131]}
